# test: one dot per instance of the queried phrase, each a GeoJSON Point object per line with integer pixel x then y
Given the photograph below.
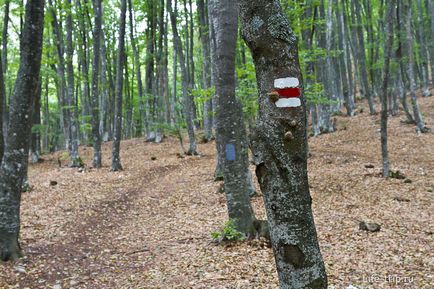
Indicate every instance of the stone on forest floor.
{"type": "Point", "coordinates": [408, 181]}
{"type": "Point", "coordinates": [399, 199]}
{"type": "Point", "coordinates": [370, 227]}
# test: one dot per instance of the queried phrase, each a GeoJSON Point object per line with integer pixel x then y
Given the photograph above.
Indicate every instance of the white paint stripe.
{"type": "Point", "coordinates": [286, 82]}
{"type": "Point", "coordinates": [288, 102]}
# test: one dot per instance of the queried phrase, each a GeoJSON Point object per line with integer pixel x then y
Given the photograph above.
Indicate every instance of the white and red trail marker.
{"type": "Point", "coordinates": [288, 91]}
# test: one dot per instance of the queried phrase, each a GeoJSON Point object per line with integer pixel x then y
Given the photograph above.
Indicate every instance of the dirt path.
{"type": "Point", "coordinates": [149, 226]}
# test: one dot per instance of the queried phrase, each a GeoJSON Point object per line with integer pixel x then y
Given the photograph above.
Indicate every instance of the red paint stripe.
{"type": "Point", "coordinates": [289, 92]}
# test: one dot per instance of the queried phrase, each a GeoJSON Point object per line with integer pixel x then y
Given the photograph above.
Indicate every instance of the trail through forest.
{"type": "Point", "coordinates": [149, 226]}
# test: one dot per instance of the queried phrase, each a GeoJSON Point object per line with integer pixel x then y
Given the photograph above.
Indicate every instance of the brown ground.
{"type": "Point", "coordinates": [149, 226]}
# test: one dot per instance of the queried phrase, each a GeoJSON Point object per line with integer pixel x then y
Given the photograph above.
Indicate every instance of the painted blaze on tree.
{"type": "Point", "coordinates": [279, 145]}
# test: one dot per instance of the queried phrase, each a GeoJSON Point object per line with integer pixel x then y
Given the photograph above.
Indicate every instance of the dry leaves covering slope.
{"type": "Point", "coordinates": [149, 226]}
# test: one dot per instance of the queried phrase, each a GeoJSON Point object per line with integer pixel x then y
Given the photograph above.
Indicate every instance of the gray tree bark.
{"type": "Point", "coordinates": [4, 64]}
{"type": "Point", "coordinates": [423, 50]}
{"type": "Point", "coordinates": [186, 93]}
{"type": "Point", "coordinates": [117, 136]}
{"type": "Point", "coordinates": [12, 170]}
{"type": "Point", "coordinates": [361, 54]}
{"type": "Point", "coordinates": [230, 129]}
{"type": "Point", "coordinates": [2, 96]}
{"type": "Point", "coordinates": [420, 124]}
{"type": "Point", "coordinates": [70, 98]}
{"type": "Point", "coordinates": [280, 148]}
{"type": "Point", "coordinates": [206, 73]}
{"type": "Point", "coordinates": [384, 92]}
{"type": "Point", "coordinates": [96, 64]}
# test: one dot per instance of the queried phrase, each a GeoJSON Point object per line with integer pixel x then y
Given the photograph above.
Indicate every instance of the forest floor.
{"type": "Point", "coordinates": [149, 226]}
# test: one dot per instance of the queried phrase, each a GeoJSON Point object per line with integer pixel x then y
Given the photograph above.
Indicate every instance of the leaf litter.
{"type": "Point", "coordinates": [150, 225]}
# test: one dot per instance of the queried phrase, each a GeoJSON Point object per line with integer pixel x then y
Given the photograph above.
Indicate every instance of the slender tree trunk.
{"type": "Point", "coordinates": [104, 126]}
{"type": "Point", "coordinates": [348, 100]}
{"type": "Point", "coordinates": [138, 72]}
{"type": "Point", "coordinates": [384, 92]}
{"type": "Point", "coordinates": [423, 50]}
{"type": "Point", "coordinates": [206, 73]}
{"type": "Point", "coordinates": [430, 6]}
{"type": "Point", "coordinates": [72, 105]}
{"type": "Point", "coordinates": [116, 161]}
{"type": "Point", "coordinates": [230, 128]}
{"type": "Point", "coordinates": [280, 147]}
{"type": "Point", "coordinates": [186, 93]}
{"type": "Point", "coordinates": [12, 170]}
{"type": "Point", "coordinates": [361, 56]}
{"type": "Point", "coordinates": [96, 62]}
{"type": "Point", "coordinates": [2, 96]}
{"type": "Point", "coordinates": [4, 63]}
{"type": "Point", "coordinates": [420, 124]}
{"type": "Point", "coordinates": [35, 142]}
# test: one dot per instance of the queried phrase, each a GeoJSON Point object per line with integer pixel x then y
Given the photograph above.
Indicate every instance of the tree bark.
{"type": "Point", "coordinates": [361, 55]}
{"type": "Point", "coordinates": [96, 64]}
{"type": "Point", "coordinates": [2, 96]}
{"type": "Point", "coordinates": [420, 124]}
{"type": "Point", "coordinates": [186, 88]}
{"type": "Point", "coordinates": [4, 64]}
{"type": "Point", "coordinates": [71, 103]}
{"type": "Point", "coordinates": [116, 161]}
{"type": "Point", "coordinates": [230, 129]}
{"type": "Point", "coordinates": [206, 72]}
{"type": "Point", "coordinates": [12, 170]}
{"type": "Point", "coordinates": [280, 148]}
{"type": "Point", "coordinates": [384, 92]}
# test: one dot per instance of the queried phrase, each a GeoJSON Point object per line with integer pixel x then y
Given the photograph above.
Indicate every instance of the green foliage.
{"type": "Point", "coordinates": [228, 233]}
{"type": "Point", "coordinates": [247, 91]}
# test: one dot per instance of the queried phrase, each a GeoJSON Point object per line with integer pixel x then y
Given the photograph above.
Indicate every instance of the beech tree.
{"type": "Point", "coordinates": [14, 166]}
{"type": "Point", "coordinates": [280, 145]}
{"type": "Point", "coordinates": [96, 63]}
{"type": "Point", "coordinates": [186, 82]}
{"type": "Point", "coordinates": [384, 92]}
{"type": "Point", "coordinates": [116, 161]}
{"type": "Point", "coordinates": [230, 128]}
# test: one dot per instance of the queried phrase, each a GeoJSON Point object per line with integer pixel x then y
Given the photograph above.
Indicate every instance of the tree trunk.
{"type": "Point", "coordinates": [361, 55]}
{"type": "Point", "coordinates": [186, 93]}
{"type": "Point", "coordinates": [384, 92]}
{"type": "Point", "coordinates": [423, 49]}
{"type": "Point", "coordinates": [206, 72]}
{"type": "Point", "coordinates": [230, 129]}
{"type": "Point", "coordinates": [116, 160]}
{"type": "Point", "coordinates": [2, 96]}
{"type": "Point", "coordinates": [280, 146]}
{"type": "Point", "coordinates": [144, 123]}
{"type": "Point", "coordinates": [35, 142]}
{"type": "Point", "coordinates": [71, 103]}
{"type": "Point", "coordinates": [4, 64]}
{"type": "Point", "coordinates": [96, 62]}
{"type": "Point", "coordinates": [420, 124]}
{"type": "Point", "coordinates": [12, 170]}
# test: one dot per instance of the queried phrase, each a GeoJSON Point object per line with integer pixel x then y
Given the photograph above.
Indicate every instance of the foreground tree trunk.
{"type": "Point", "coordinates": [12, 170]}
{"type": "Point", "coordinates": [95, 84]}
{"type": "Point", "coordinates": [280, 145]}
{"type": "Point", "coordinates": [231, 133]}
{"type": "Point", "coordinates": [116, 160]}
